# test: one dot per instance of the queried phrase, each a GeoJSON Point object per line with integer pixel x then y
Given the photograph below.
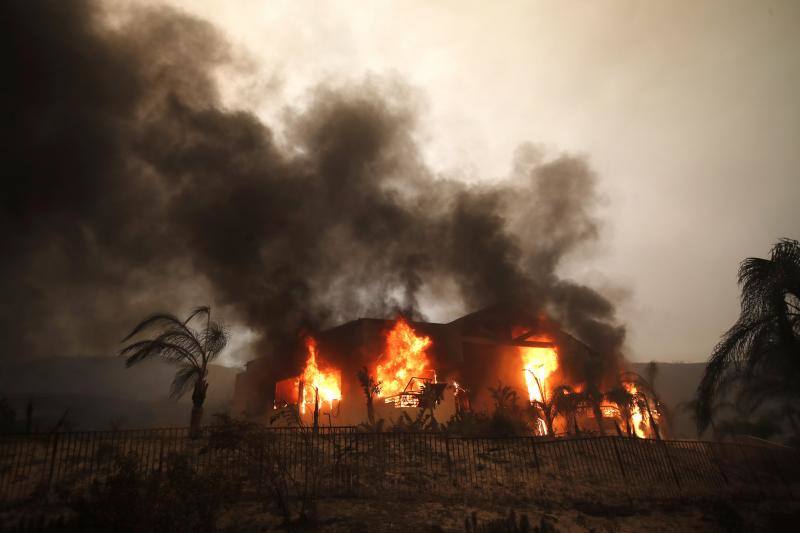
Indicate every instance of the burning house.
{"type": "Point", "coordinates": [465, 357]}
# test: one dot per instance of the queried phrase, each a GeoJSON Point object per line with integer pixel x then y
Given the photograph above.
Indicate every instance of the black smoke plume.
{"type": "Point", "coordinates": [128, 187]}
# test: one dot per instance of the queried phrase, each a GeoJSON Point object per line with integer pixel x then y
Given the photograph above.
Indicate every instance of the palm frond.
{"type": "Point", "coordinates": [183, 380]}
{"type": "Point", "coordinates": [168, 322]}
{"type": "Point", "coordinates": [142, 350]}
{"type": "Point", "coordinates": [214, 338]}
{"type": "Point", "coordinates": [197, 311]}
{"type": "Point", "coordinates": [764, 338]}
{"type": "Point", "coordinates": [163, 319]}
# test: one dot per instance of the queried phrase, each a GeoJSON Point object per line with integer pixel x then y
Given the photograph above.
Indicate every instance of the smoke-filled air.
{"type": "Point", "coordinates": [129, 187]}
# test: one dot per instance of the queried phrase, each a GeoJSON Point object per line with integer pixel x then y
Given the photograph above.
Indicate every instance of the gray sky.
{"type": "Point", "coordinates": [688, 111]}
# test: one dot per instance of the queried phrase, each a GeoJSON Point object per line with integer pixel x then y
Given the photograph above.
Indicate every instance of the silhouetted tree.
{"type": "Point", "coordinates": [646, 399]}
{"type": "Point", "coordinates": [591, 397]}
{"type": "Point", "coordinates": [507, 419]}
{"type": "Point", "coordinates": [430, 397]}
{"type": "Point", "coordinates": [566, 403]}
{"type": "Point", "coordinates": [624, 400]}
{"type": "Point", "coordinates": [370, 388]}
{"type": "Point", "coordinates": [505, 397]}
{"type": "Point", "coordinates": [558, 402]}
{"type": "Point", "coordinates": [179, 344]}
{"type": "Point", "coordinates": [766, 337]}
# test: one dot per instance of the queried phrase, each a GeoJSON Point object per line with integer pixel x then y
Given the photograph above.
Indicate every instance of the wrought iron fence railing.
{"type": "Point", "coordinates": [344, 461]}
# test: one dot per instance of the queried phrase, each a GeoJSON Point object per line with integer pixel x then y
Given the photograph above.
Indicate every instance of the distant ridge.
{"type": "Point", "coordinates": [100, 392]}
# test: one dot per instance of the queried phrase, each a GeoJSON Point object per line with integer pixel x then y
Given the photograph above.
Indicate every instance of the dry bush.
{"type": "Point", "coordinates": [179, 498]}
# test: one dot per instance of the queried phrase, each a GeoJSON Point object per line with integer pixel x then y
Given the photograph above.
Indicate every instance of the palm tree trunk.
{"type": "Point", "coordinates": [195, 421]}
{"type": "Point", "coordinates": [301, 385]}
{"type": "Point", "coordinates": [548, 423]}
{"type": "Point", "coordinates": [626, 413]}
{"type": "Point", "coordinates": [653, 423]}
{"type": "Point", "coordinates": [598, 415]}
{"type": "Point", "coordinates": [370, 411]}
{"type": "Point", "coordinates": [198, 398]}
{"type": "Point", "coordinates": [316, 409]}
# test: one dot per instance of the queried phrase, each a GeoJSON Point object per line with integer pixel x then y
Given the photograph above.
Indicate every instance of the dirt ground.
{"type": "Point", "coordinates": [359, 515]}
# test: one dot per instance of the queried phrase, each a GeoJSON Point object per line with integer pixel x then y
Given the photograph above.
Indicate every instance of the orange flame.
{"type": "Point", "coordinates": [405, 358]}
{"type": "Point", "coordinates": [327, 382]}
{"type": "Point", "coordinates": [538, 363]}
{"type": "Point", "coordinates": [638, 418]}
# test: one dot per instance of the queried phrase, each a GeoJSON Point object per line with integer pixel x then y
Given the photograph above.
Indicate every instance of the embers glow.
{"type": "Point", "coordinates": [327, 381]}
{"type": "Point", "coordinates": [405, 358]}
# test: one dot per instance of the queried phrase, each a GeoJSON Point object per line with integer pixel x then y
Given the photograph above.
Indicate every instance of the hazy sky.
{"type": "Point", "coordinates": [688, 112]}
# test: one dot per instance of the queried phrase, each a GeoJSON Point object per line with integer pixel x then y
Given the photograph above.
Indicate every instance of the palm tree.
{"type": "Point", "coordinates": [505, 397]}
{"type": "Point", "coordinates": [624, 400]}
{"type": "Point", "coordinates": [646, 398]}
{"type": "Point", "coordinates": [767, 334]}
{"type": "Point", "coordinates": [592, 397]}
{"type": "Point", "coordinates": [370, 388]}
{"type": "Point", "coordinates": [179, 344]}
{"type": "Point", "coordinates": [562, 401]}
{"type": "Point", "coordinates": [430, 397]}
{"type": "Point", "coordinates": [566, 403]}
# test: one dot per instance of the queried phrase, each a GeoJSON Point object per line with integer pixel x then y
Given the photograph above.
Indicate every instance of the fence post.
{"type": "Point", "coordinates": [52, 466]}
{"type": "Point", "coordinates": [718, 462]}
{"type": "Point", "coordinates": [160, 454]}
{"type": "Point", "coordinates": [671, 466]}
{"type": "Point", "coordinates": [753, 477]}
{"type": "Point", "coordinates": [535, 455]}
{"type": "Point", "coordinates": [615, 445]}
{"type": "Point", "coordinates": [619, 458]}
{"type": "Point", "coordinates": [449, 460]}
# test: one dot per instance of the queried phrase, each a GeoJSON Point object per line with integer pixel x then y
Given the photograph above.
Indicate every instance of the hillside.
{"type": "Point", "coordinates": [100, 392]}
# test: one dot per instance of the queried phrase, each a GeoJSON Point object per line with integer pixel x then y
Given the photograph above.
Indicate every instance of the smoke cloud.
{"type": "Point", "coordinates": [129, 188]}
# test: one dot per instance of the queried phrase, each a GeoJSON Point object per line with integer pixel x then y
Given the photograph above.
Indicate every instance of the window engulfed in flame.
{"type": "Point", "coordinates": [326, 381]}
{"type": "Point", "coordinates": [405, 357]}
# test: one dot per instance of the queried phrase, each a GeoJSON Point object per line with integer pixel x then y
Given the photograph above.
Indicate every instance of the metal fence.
{"type": "Point", "coordinates": [342, 461]}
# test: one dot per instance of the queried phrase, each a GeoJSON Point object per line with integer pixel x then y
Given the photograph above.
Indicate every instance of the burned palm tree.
{"type": "Point", "coordinates": [766, 337]}
{"type": "Point", "coordinates": [591, 397]}
{"type": "Point", "coordinates": [646, 400]}
{"type": "Point", "coordinates": [624, 400]}
{"type": "Point", "coordinates": [562, 401]}
{"type": "Point", "coordinates": [177, 343]}
{"type": "Point", "coordinates": [566, 403]}
{"type": "Point", "coordinates": [430, 397]}
{"type": "Point", "coordinates": [370, 388]}
{"type": "Point", "coordinates": [505, 397]}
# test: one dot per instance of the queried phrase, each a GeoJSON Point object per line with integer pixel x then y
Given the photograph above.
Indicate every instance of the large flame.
{"type": "Point", "coordinates": [327, 381]}
{"type": "Point", "coordinates": [638, 418]}
{"type": "Point", "coordinates": [405, 358]}
{"type": "Point", "coordinates": [538, 363]}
